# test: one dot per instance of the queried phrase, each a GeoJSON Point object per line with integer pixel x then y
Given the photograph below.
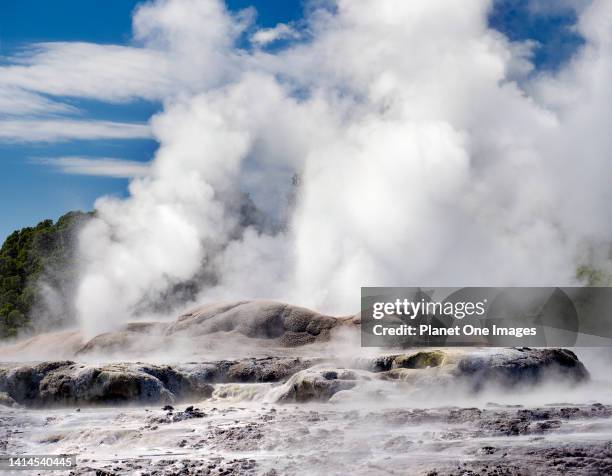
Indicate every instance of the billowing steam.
{"type": "Point", "coordinates": [387, 142]}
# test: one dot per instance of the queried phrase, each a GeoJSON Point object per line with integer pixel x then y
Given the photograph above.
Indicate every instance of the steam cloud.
{"type": "Point", "coordinates": [387, 143]}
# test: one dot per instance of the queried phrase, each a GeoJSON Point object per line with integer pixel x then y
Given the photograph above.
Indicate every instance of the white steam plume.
{"type": "Point", "coordinates": [426, 155]}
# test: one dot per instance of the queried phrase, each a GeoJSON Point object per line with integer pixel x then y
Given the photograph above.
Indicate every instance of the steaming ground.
{"type": "Point", "coordinates": [240, 434]}
{"type": "Point", "coordinates": [385, 426]}
{"type": "Point", "coordinates": [264, 388]}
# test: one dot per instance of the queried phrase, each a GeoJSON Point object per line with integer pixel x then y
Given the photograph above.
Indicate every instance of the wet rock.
{"type": "Point", "coordinates": [417, 360]}
{"type": "Point", "coordinates": [420, 360]}
{"type": "Point", "coordinates": [179, 383]}
{"type": "Point", "coordinates": [576, 458]}
{"type": "Point", "coordinates": [6, 400]}
{"type": "Point", "coordinates": [108, 384]}
{"type": "Point", "coordinates": [507, 426]}
{"type": "Point", "coordinates": [487, 450]}
{"type": "Point", "coordinates": [265, 370]}
{"type": "Point", "coordinates": [545, 426]}
{"type": "Point", "coordinates": [173, 417]}
{"type": "Point", "coordinates": [509, 367]}
{"type": "Point", "coordinates": [239, 437]}
{"type": "Point", "coordinates": [317, 384]}
{"type": "Point", "coordinates": [479, 368]}
{"type": "Point", "coordinates": [22, 382]}
{"type": "Point", "coordinates": [464, 415]}
{"type": "Point", "coordinates": [189, 413]}
{"type": "Point", "coordinates": [67, 383]}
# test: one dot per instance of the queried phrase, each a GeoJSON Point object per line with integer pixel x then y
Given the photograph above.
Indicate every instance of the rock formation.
{"type": "Point", "coordinates": [72, 383]}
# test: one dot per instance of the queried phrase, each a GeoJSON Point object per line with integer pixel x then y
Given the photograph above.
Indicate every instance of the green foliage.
{"type": "Point", "coordinates": [593, 276]}
{"type": "Point", "coordinates": [46, 250]}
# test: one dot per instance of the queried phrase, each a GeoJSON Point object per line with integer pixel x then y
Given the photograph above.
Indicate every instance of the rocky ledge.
{"type": "Point", "coordinates": [67, 383]}
{"type": "Point", "coordinates": [278, 323]}
{"type": "Point", "coordinates": [247, 328]}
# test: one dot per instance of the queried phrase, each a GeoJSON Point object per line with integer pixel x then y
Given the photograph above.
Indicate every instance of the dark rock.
{"type": "Point", "coordinates": [265, 370]}
{"type": "Point", "coordinates": [418, 360]}
{"type": "Point", "coordinates": [525, 366]}
{"type": "Point", "coordinates": [66, 383]}
{"type": "Point", "coordinates": [487, 450]}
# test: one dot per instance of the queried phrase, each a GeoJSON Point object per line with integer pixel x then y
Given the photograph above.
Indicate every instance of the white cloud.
{"type": "Point", "coordinates": [266, 36]}
{"type": "Point", "coordinates": [105, 72]}
{"type": "Point", "coordinates": [173, 53]}
{"type": "Point", "coordinates": [97, 166]}
{"type": "Point", "coordinates": [17, 101]}
{"type": "Point", "coordinates": [58, 130]}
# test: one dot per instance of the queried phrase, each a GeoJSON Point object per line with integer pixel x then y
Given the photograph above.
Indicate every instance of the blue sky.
{"type": "Point", "coordinates": [31, 190]}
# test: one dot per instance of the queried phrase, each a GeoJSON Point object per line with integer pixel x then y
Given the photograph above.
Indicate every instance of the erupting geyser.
{"type": "Point", "coordinates": [378, 147]}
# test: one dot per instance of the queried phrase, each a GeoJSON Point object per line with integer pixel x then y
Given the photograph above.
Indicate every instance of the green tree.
{"type": "Point", "coordinates": [44, 252]}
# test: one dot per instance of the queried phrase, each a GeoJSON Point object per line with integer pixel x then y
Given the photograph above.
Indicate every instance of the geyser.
{"type": "Point", "coordinates": [376, 146]}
